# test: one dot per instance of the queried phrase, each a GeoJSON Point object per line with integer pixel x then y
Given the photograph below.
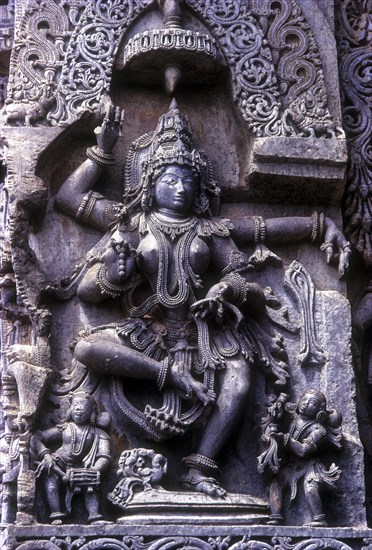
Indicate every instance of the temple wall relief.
{"type": "Point", "coordinates": [176, 363]}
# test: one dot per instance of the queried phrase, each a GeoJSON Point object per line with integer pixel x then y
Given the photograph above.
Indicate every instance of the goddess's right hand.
{"type": "Point", "coordinates": [111, 129]}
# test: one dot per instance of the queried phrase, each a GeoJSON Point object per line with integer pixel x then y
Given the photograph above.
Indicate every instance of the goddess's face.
{"type": "Point", "coordinates": [175, 189]}
{"type": "Point", "coordinates": [81, 410]}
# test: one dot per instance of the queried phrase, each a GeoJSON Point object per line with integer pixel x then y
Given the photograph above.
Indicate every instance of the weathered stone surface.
{"type": "Point", "coordinates": [184, 535]}
{"type": "Point", "coordinates": [128, 294]}
{"type": "Point", "coordinates": [304, 170]}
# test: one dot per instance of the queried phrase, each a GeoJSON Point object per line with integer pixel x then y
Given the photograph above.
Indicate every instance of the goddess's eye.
{"type": "Point", "coordinates": [169, 181]}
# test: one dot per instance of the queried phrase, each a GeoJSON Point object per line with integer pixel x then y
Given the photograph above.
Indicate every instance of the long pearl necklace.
{"type": "Point", "coordinates": [183, 277]}
{"type": "Point", "coordinates": [14, 447]}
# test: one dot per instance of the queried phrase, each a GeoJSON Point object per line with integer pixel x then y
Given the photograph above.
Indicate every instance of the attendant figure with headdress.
{"type": "Point", "coordinates": [310, 429]}
{"type": "Point", "coordinates": [73, 456]}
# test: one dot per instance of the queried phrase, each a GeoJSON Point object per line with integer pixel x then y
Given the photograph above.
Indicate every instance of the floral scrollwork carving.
{"type": "Point", "coordinates": [242, 40]}
{"type": "Point", "coordinates": [38, 54]}
{"type": "Point", "coordinates": [354, 43]}
{"type": "Point", "coordinates": [179, 543]}
{"type": "Point", "coordinates": [277, 71]}
{"type": "Point", "coordinates": [86, 76]}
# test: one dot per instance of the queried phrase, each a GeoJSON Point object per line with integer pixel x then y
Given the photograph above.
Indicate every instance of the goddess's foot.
{"type": "Point", "coordinates": [182, 379]}
{"type": "Point", "coordinates": [202, 484]}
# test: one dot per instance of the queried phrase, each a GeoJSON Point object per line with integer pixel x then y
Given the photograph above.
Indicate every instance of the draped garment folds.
{"type": "Point", "coordinates": [198, 344]}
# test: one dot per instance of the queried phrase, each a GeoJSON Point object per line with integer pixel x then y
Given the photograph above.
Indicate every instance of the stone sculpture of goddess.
{"type": "Point", "coordinates": [192, 308]}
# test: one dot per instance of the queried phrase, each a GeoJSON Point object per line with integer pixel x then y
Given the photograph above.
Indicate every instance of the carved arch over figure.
{"type": "Point", "coordinates": [276, 65]}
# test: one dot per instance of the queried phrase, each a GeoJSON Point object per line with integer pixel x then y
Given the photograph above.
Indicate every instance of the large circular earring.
{"type": "Point", "coordinates": [201, 204]}
{"type": "Point", "coordinates": [321, 416]}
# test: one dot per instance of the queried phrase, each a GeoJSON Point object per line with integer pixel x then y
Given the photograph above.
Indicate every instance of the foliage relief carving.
{"type": "Point", "coordinates": [276, 68]}
{"type": "Point", "coordinates": [355, 72]}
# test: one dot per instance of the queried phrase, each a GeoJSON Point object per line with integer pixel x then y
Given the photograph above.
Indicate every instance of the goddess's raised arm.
{"type": "Point", "coordinates": [75, 197]}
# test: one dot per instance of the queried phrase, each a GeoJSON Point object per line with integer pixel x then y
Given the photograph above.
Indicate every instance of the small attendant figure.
{"type": "Point", "coordinates": [77, 464]}
{"type": "Point", "coordinates": [311, 427]}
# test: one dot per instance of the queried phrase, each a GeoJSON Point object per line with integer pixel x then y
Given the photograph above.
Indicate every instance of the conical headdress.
{"type": "Point", "coordinates": [171, 143]}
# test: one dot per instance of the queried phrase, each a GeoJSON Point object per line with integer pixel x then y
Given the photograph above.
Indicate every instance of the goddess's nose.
{"type": "Point", "coordinates": [180, 186]}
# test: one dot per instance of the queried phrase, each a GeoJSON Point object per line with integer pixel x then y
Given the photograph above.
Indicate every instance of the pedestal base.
{"type": "Point", "coordinates": [157, 507]}
{"type": "Point", "coordinates": [167, 536]}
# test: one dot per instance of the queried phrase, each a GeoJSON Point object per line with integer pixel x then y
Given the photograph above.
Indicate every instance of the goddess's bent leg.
{"type": "Point", "coordinates": [104, 352]}
{"type": "Point", "coordinates": [98, 353]}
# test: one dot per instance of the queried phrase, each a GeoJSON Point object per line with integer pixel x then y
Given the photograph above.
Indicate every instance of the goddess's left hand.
{"type": "Point", "coordinates": [336, 246]}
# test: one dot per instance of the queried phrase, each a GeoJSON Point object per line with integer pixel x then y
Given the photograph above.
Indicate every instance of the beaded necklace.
{"type": "Point", "coordinates": [183, 277]}
{"type": "Point", "coordinates": [175, 227]}
{"type": "Point", "coordinates": [78, 446]}
{"type": "Point", "coordinates": [301, 431]}
{"type": "Point", "coordinates": [14, 447]}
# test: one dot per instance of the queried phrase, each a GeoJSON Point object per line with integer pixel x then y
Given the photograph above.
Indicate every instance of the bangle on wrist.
{"type": "Point", "coordinates": [99, 157]}
{"type": "Point", "coordinates": [321, 225]}
{"type": "Point", "coordinates": [44, 452]}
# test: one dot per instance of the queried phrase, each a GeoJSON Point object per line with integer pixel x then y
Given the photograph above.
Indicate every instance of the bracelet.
{"type": "Point", "coordinates": [104, 284]}
{"type": "Point", "coordinates": [86, 206]}
{"type": "Point", "coordinates": [238, 285]}
{"type": "Point", "coordinates": [312, 445]}
{"type": "Point", "coordinates": [321, 225]}
{"type": "Point", "coordinates": [317, 226]}
{"type": "Point", "coordinates": [99, 157]}
{"type": "Point", "coordinates": [45, 452]}
{"type": "Point", "coordinates": [314, 227]}
{"type": "Point", "coordinates": [162, 376]}
{"type": "Point", "coordinates": [260, 230]}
